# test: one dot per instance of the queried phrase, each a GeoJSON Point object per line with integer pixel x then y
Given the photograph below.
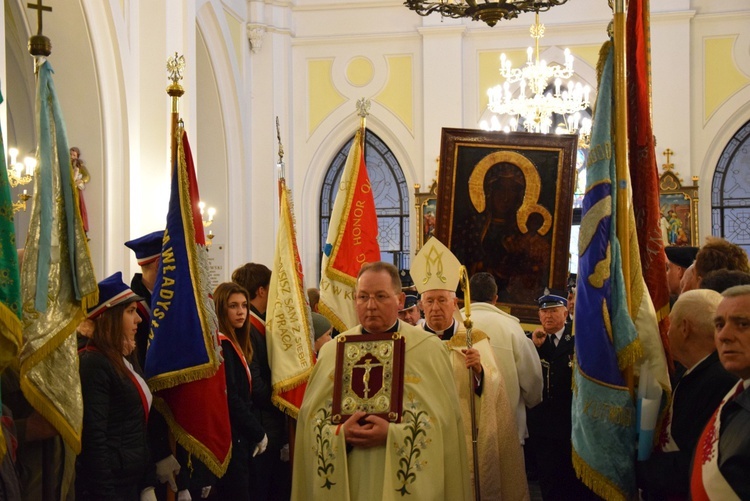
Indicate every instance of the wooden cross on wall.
{"type": "Point", "coordinates": [39, 10]}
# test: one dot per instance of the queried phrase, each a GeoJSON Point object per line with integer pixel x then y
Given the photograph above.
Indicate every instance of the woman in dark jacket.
{"type": "Point", "coordinates": [114, 463]}
{"type": "Point", "coordinates": [248, 437]}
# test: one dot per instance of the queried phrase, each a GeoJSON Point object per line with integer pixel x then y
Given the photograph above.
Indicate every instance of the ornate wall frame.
{"type": "Point", "coordinates": [504, 207]}
{"type": "Point", "coordinates": [426, 205]}
{"type": "Point", "coordinates": [679, 209]}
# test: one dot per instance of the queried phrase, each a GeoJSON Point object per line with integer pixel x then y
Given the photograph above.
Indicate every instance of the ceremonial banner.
{"type": "Point", "coordinates": [604, 431]}
{"type": "Point", "coordinates": [288, 323]}
{"type": "Point", "coordinates": [57, 277]}
{"type": "Point", "coordinates": [643, 169]}
{"type": "Point", "coordinates": [352, 239]}
{"type": "Point", "coordinates": [183, 362]}
{"type": "Point", "coordinates": [10, 285]}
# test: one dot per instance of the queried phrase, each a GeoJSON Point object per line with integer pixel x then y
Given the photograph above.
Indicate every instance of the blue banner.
{"type": "Point", "coordinates": [603, 413]}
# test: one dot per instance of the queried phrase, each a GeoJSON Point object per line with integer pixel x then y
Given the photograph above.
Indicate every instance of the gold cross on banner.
{"type": "Point", "coordinates": [39, 9]}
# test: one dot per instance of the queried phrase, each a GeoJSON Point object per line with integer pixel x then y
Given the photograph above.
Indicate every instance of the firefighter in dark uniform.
{"type": "Point", "coordinates": [549, 423]}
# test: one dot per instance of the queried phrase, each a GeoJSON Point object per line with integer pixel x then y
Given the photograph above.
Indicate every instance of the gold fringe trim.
{"type": "Point", "coordinates": [38, 399]}
{"type": "Point", "coordinates": [3, 448]}
{"type": "Point", "coordinates": [287, 385]}
{"type": "Point", "coordinates": [628, 356]}
{"type": "Point", "coordinates": [330, 271]}
{"type": "Point", "coordinates": [90, 300]}
{"type": "Point", "coordinates": [327, 312]}
{"type": "Point", "coordinates": [603, 53]}
{"type": "Point", "coordinates": [188, 231]}
{"type": "Point", "coordinates": [176, 378]}
{"type": "Point", "coordinates": [190, 443]}
{"type": "Point", "coordinates": [11, 327]}
{"type": "Point", "coordinates": [598, 483]}
{"type": "Point", "coordinates": [662, 313]}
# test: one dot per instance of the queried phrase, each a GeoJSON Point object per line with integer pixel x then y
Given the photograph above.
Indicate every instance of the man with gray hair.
{"type": "Point", "coordinates": [515, 354]}
{"type": "Point", "coordinates": [722, 456]}
{"type": "Point", "coordinates": [666, 474]}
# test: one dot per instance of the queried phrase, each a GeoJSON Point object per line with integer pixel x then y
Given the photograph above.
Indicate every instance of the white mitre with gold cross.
{"type": "Point", "coordinates": [435, 267]}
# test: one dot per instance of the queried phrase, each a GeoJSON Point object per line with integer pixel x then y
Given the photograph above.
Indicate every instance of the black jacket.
{"type": "Point", "coordinates": [695, 398]}
{"type": "Point", "coordinates": [551, 418]}
{"type": "Point", "coordinates": [114, 462]}
{"type": "Point", "coordinates": [271, 417]}
{"type": "Point", "coordinates": [734, 444]}
{"type": "Point", "coordinates": [241, 416]}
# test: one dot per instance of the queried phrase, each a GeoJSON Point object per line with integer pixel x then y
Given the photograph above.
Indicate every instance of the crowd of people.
{"type": "Point", "coordinates": [493, 414]}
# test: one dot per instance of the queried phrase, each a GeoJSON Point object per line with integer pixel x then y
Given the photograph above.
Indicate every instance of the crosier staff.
{"type": "Point", "coordinates": [464, 280]}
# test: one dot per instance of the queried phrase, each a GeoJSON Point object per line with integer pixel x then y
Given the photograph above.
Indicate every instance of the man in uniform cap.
{"type": "Point", "coordinates": [550, 422]}
{"type": "Point", "coordinates": [501, 467]}
{"type": "Point", "coordinates": [410, 312]}
{"type": "Point", "coordinates": [678, 260]}
{"type": "Point", "coordinates": [147, 251]}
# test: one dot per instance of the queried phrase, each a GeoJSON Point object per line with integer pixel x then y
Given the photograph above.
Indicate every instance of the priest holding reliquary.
{"type": "Point", "coordinates": [381, 417]}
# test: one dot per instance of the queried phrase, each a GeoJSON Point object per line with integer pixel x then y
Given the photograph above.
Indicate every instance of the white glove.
{"type": "Point", "coordinates": [184, 495]}
{"type": "Point", "coordinates": [148, 494]}
{"type": "Point", "coordinates": [166, 470]}
{"type": "Point", "coordinates": [284, 453]}
{"type": "Point", "coordinates": [260, 447]}
{"type": "Point", "coordinates": [205, 492]}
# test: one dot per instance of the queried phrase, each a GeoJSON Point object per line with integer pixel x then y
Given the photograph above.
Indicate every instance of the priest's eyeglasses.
{"type": "Point", "coordinates": [380, 297]}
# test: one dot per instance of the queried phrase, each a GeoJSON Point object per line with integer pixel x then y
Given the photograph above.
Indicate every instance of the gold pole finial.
{"type": "Point", "coordinates": [363, 110]}
{"type": "Point", "coordinates": [175, 68]}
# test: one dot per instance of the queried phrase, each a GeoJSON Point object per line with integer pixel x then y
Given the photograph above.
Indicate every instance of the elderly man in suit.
{"type": "Point", "coordinates": [722, 456]}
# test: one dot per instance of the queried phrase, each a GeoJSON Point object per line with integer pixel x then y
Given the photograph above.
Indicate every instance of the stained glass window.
{"type": "Point", "coordinates": [391, 198]}
{"type": "Point", "coordinates": [730, 191]}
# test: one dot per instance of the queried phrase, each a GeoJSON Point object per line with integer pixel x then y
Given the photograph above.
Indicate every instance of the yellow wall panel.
{"type": "Point", "coordinates": [359, 71]}
{"type": "Point", "coordinates": [322, 97]}
{"type": "Point", "coordinates": [398, 94]}
{"type": "Point", "coordinates": [722, 77]}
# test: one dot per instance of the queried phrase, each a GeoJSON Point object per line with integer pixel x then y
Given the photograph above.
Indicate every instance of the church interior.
{"type": "Point", "coordinates": [306, 63]}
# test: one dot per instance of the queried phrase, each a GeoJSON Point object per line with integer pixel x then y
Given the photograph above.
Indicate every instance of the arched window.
{"type": "Point", "coordinates": [391, 198]}
{"type": "Point", "coordinates": [730, 192]}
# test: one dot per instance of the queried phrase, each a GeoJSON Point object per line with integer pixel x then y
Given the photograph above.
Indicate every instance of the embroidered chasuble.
{"type": "Point", "coordinates": [502, 473]}
{"type": "Point", "coordinates": [424, 456]}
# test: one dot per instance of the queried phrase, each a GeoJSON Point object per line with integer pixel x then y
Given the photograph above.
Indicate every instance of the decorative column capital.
{"type": "Point", "coordinates": [255, 33]}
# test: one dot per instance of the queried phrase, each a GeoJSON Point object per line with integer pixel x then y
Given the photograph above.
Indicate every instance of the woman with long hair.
{"type": "Point", "coordinates": [248, 437]}
{"type": "Point", "coordinates": [114, 463]}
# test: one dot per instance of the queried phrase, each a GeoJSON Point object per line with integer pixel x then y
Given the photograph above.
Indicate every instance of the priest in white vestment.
{"type": "Point", "coordinates": [422, 457]}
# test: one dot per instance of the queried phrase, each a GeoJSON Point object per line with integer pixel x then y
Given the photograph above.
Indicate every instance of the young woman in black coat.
{"type": "Point", "coordinates": [248, 437]}
{"type": "Point", "coordinates": [114, 463]}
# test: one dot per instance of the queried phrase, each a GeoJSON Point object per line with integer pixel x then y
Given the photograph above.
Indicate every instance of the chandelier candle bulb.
{"type": "Point", "coordinates": [30, 165]}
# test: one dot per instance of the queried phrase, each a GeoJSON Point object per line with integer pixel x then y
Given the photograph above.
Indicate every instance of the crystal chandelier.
{"type": "Point", "coordinates": [481, 10]}
{"type": "Point", "coordinates": [533, 105]}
